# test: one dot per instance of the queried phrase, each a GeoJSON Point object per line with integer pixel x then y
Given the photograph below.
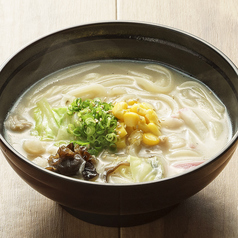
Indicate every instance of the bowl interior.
{"type": "Point", "coordinates": [119, 40]}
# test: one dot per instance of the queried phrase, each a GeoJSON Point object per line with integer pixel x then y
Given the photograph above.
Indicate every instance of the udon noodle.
{"type": "Point", "coordinates": [191, 127]}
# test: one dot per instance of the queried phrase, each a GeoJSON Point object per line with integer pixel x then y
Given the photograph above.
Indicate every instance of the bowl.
{"type": "Point", "coordinates": [115, 204]}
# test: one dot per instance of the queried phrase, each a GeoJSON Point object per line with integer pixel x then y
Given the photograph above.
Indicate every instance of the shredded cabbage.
{"type": "Point", "coordinates": [89, 122]}
{"type": "Point", "coordinates": [47, 120]}
{"type": "Point", "coordinates": [145, 169]}
{"type": "Point", "coordinates": [139, 170]}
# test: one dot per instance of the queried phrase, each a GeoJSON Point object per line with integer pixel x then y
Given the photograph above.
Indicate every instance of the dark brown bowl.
{"type": "Point", "coordinates": [108, 204]}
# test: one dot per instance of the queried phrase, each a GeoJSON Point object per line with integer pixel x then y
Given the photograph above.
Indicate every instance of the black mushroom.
{"type": "Point", "coordinates": [71, 160]}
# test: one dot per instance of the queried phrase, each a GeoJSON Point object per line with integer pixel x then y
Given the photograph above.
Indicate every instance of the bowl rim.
{"type": "Point", "coordinates": [225, 149]}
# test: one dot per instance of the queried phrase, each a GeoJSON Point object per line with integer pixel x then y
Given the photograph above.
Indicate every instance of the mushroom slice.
{"type": "Point", "coordinates": [111, 169]}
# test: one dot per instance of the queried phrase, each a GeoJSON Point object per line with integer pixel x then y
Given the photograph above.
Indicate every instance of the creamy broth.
{"type": "Point", "coordinates": [193, 123]}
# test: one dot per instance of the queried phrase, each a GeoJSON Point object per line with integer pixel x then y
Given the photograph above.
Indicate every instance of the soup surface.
{"type": "Point", "coordinates": [118, 122]}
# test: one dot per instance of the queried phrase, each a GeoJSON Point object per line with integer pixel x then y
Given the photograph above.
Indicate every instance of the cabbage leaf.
{"type": "Point", "coordinates": [145, 169]}
{"type": "Point", "coordinates": [140, 170]}
{"type": "Point", "coordinates": [50, 124]}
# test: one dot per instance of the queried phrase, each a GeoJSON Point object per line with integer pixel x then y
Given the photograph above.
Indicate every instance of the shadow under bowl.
{"type": "Point", "coordinates": [114, 204]}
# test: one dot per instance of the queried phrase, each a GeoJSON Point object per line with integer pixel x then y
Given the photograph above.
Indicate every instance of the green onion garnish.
{"type": "Point", "coordinates": [93, 124]}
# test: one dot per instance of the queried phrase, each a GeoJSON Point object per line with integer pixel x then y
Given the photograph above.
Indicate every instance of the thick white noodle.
{"type": "Point", "coordinates": [115, 79]}
{"type": "Point", "coordinates": [163, 83]}
{"type": "Point", "coordinates": [194, 94]}
{"type": "Point", "coordinates": [76, 71]}
{"type": "Point", "coordinates": [183, 154]}
{"type": "Point", "coordinates": [90, 91]}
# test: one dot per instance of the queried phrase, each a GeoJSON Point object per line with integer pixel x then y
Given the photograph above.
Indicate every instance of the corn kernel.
{"type": "Point", "coordinates": [119, 110]}
{"type": "Point", "coordinates": [150, 139]}
{"type": "Point", "coordinates": [121, 143]}
{"type": "Point", "coordinates": [151, 116]}
{"type": "Point", "coordinates": [142, 119]}
{"type": "Point", "coordinates": [136, 108]}
{"type": "Point", "coordinates": [142, 125]}
{"type": "Point", "coordinates": [154, 129]}
{"type": "Point", "coordinates": [146, 105]}
{"type": "Point", "coordinates": [131, 119]}
{"type": "Point", "coordinates": [131, 102]}
{"type": "Point", "coordinates": [121, 131]}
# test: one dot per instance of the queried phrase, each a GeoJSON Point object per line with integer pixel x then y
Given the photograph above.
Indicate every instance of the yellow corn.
{"type": "Point", "coordinates": [121, 131]}
{"type": "Point", "coordinates": [150, 139]}
{"type": "Point", "coordinates": [136, 108]}
{"type": "Point", "coordinates": [151, 116]}
{"type": "Point", "coordinates": [131, 119]}
{"type": "Point", "coordinates": [142, 119]}
{"type": "Point", "coordinates": [121, 143]}
{"type": "Point", "coordinates": [154, 129]}
{"type": "Point", "coordinates": [119, 110]}
{"type": "Point", "coordinates": [142, 125]}
{"type": "Point", "coordinates": [138, 122]}
{"type": "Point", "coordinates": [146, 105]}
{"type": "Point", "coordinates": [131, 102]}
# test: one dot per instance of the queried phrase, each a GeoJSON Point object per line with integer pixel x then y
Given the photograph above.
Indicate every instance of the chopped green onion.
{"type": "Point", "coordinates": [90, 130]}
{"type": "Point", "coordinates": [93, 124]}
{"type": "Point", "coordinates": [111, 137]}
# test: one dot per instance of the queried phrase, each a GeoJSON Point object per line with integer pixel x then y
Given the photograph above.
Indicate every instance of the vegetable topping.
{"type": "Point", "coordinates": [136, 116]}
{"type": "Point", "coordinates": [93, 124]}
{"type": "Point", "coordinates": [87, 123]}
{"type": "Point", "coordinates": [71, 160]}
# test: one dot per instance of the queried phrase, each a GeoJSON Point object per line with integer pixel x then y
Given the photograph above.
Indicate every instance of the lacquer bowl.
{"type": "Point", "coordinates": [114, 204]}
